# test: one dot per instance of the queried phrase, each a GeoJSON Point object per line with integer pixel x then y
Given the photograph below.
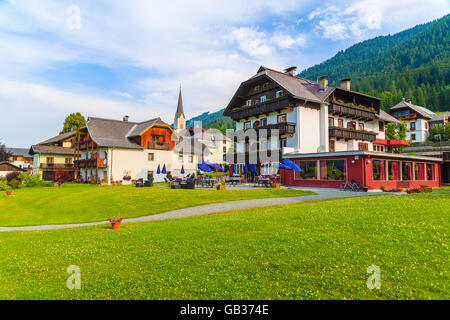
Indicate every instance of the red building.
{"type": "Point", "coordinates": [371, 169]}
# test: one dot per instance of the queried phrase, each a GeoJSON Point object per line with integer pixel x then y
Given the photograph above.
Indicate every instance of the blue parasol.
{"type": "Point", "coordinates": [159, 169]}
{"type": "Point", "coordinates": [204, 167]}
{"type": "Point", "coordinates": [182, 170]}
{"type": "Point", "coordinates": [292, 165]}
{"type": "Point", "coordinates": [246, 168]}
{"type": "Point", "coordinates": [164, 171]}
{"type": "Point", "coordinates": [281, 166]}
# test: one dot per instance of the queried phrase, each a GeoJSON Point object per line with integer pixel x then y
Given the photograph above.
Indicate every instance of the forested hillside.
{"type": "Point", "coordinates": [413, 64]}
{"type": "Point", "coordinates": [213, 120]}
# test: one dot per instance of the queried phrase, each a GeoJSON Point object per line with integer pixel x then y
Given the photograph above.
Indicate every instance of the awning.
{"type": "Point", "coordinates": [391, 143]}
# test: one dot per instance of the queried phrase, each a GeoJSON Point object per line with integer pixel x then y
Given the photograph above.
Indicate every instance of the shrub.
{"type": "Point", "coordinates": [61, 176]}
{"type": "Point", "coordinates": [31, 181]}
{"type": "Point", "coordinates": [13, 176]}
{"type": "Point", "coordinates": [46, 184]}
{"type": "Point", "coordinates": [14, 184]}
{"type": "Point", "coordinates": [383, 188]}
{"type": "Point", "coordinates": [4, 185]}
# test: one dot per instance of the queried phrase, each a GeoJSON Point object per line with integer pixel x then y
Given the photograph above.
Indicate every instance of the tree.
{"type": "Point", "coordinates": [4, 154]}
{"type": "Point", "coordinates": [396, 131]}
{"type": "Point", "coordinates": [73, 122]}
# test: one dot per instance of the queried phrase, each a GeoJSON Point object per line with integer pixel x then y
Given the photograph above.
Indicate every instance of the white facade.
{"type": "Point", "coordinates": [418, 130]}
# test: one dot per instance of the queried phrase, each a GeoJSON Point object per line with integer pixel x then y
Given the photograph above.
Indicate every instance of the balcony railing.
{"type": "Point", "coordinates": [262, 108]}
{"type": "Point", "coordinates": [239, 156]}
{"type": "Point", "coordinates": [91, 163]}
{"type": "Point", "coordinates": [351, 134]}
{"type": "Point", "coordinates": [282, 127]}
{"type": "Point", "coordinates": [159, 146]}
{"type": "Point", "coordinates": [352, 112]}
{"type": "Point", "coordinates": [407, 117]}
{"type": "Point", "coordinates": [56, 166]}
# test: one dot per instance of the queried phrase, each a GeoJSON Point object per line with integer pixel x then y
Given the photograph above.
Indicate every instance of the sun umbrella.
{"type": "Point", "coordinates": [292, 165]}
{"type": "Point", "coordinates": [246, 168]}
{"type": "Point", "coordinates": [182, 170]}
{"type": "Point", "coordinates": [164, 171]}
{"type": "Point", "coordinates": [159, 169]}
{"type": "Point", "coordinates": [281, 166]}
{"type": "Point", "coordinates": [204, 167]}
{"type": "Point", "coordinates": [214, 166]}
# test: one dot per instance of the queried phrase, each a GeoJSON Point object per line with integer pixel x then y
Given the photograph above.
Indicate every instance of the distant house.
{"type": "Point", "coordinates": [52, 155]}
{"type": "Point", "coordinates": [439, 119]}
{"type": "Point", "coordinates": [417, 118]}
{"type": "Point", "coordinates": [20, 158]}
{"type": "Point", "coordinates": [7, 167]}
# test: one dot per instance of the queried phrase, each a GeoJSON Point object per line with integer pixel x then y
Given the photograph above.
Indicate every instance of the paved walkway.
{"type": "Point", "coordinates": [210, 209]}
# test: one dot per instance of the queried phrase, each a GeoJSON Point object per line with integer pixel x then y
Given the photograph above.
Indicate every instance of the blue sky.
{"type": "Point", "coordinates": [129, 57]}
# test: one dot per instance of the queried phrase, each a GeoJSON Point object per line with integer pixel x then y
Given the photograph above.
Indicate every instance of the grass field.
{"type": "Point", "coordinates": [311, 250]}
{"type": "Point", "coordinates": [86, 203]}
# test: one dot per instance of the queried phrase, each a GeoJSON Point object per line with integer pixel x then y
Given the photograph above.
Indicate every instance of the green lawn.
{"type": "Point", "coordinates": [86, 203]}
{"type": "Point", "coordinates": [313, 250]}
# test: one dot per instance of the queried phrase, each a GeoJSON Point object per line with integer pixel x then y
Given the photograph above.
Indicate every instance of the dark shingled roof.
{"type": "Point", "coordinates": [117, 133]}
{"type": "Point", "coordinates": [51, 150]}
{"type": "Point", "coordinates": [59, 138]}
{"type": "Point", "coordinates": [7, 164]}
{"type": "Point", "coordinates": [387, 117]}
{"type": "Point", "coordinates": [440, 116]}
{"type": "Point", "coordinates": [297, 87]}
{"type": "Point", "coordinates": [418, 109]}
{"type": "Point", "coordinates": [23, 152]}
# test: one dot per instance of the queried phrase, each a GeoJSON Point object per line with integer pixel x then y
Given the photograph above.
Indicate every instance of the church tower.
{"type": "Point", "coordinates": [180, 118]}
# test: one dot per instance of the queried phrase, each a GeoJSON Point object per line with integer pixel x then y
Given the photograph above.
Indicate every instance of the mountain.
{"type": "Point", "coordinates": [414, 64]}
{"type": "Point", "coordinates": [213, 120]}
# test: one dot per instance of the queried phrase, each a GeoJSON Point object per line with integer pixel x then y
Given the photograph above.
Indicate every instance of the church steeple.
{"type": "Point", "coordinates": [180, 118]}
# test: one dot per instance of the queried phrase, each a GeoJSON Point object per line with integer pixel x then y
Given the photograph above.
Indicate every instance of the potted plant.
{"type": "Point", "coordinates": [221, 186]}
{"type": "Point", "coordinates": [383, 189]}
{"type": "Point", "coordinates": [115, 223]}
{"type": "Point", "coordinates": [366, 189]}
{"type": "Point", "coordinates": [276, 185]}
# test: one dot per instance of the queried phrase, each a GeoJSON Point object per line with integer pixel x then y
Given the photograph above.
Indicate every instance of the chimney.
{"type": "Point", "coordinates": [346, 83]}
{"type": "Point", "coordinates": [323, 83]}
{"type": "Point", "coordinates": [125, 118]}
{"type": "Point", "coordinates": [291, 70]}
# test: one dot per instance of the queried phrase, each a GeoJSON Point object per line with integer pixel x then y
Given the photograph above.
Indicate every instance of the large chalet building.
{"type": "Point", "coordinates": [333, 133]}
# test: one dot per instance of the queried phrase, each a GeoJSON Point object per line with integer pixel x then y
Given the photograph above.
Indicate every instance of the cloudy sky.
{"type": "Point", "coordinates": [119, 58]}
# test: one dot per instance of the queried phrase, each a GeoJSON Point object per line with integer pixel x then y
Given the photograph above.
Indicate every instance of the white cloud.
{"type": "Point", "coordinates": [286, 41]}
{"type": "Point", "coordinates": [122, 94]}
{"type": "Point", "coordinates": [358, 18]}
{"type": "Point", "coordinates": [251, 41]}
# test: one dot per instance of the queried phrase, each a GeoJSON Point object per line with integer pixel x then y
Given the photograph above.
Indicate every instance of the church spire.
{"type": "Point", "coordinates": [180, 118]}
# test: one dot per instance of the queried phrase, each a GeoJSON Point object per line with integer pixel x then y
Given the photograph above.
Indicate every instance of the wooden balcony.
{"type": "Point", "coordinates": [350, 134]}
{"type": "Point", "coordinates": [159, 146]}
{"type": "Point", "coordinates": [56, 166]}
{"type": "Point", "coordinates": [263, 108]}
{"type": "Point", "coordinates": [91, 163]}
{"type": "Point", "coordinates": [284, 128]}
{"type": "Point", "coordinates": [341, 109]}
{"type": "Point", "coordinates": [407, 117]}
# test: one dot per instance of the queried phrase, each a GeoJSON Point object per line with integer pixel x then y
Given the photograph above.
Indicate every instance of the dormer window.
{"type": "Point", "coordinates": [265, 85]}
{"type": "Point", "coordinates": [279, 94]}
{"type": "Point", "coordinates": [248, 103]}
{"type": "Point", "coordinates": [257, 88]}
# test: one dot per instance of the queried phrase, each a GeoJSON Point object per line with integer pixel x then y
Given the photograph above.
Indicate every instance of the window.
{"type": "Point", "coordinates": [263, 99]}
{"type": "Point", "coordinates": [419, 171]}
{"type": "Point", "coordinates": [265, 85]}
{"type": "Point", "coordinates": [225, 149]}
{"type": "Point", "coordinates": [332, 146]}
{"type": "Point", "coordinates": [247, 125]}
{"type": "Point", "coordinates": [257, 88]}
{"type": "Point", "coordinates": [279, 94]}
{"type": "Point", "coordinates": [246, 147]}
{"type": "Point", "coordinates": [426, 125]}
{"type": "Point", "coordinates": [50, 160]}
{"type": "Point", "coordinates": [263, 122]}
{"type": "Point", "coordinates": [151, 157]}
{"type": "Point", "coordinates": [378, 148]}
{"type": "Point", "coordinates": [413, 137]}
{"type": "Point", "coordinates": [351, 125]}
{"type": "Point", "coordinates": [331, 122]}
{"type": "Point", "coordinates": [263, 145]}
{"type": "Point", "coordinates": [361, 126]}
{"type": "Point", "coordinates": [430, 172]}
{"type": "Point", "coordinates": [363, 146]}
{"type": "Point", "coordinates": [180, 158]}
{"type": "Point", "coordinates": [407, 171]}
{"type": "Point", "coordinates": [248, 102]}
{"type": "Point", "coordinates": [340, 123]}
{"type": "Point", "coordinates": [158, 139]}
{"type": "Point", "coordinates": [68, 161]}
{"type": "Point", "coordinates": [394, 170]}
{"type": "Point", "coordinates": [282, 118]}
{"type": "Point", "coordinates": [378, 170]}
{"type": "Point", "coordinates": [309, 170]}
{"type": "Point", "coordinates": [332, 170]}
{"type": "Point", "coordinates": [381, 126]}
{"type": "Point", "coordinates": [149, 175]}
{"type": "Point", "coordinates": [283, 143]}
{"type": "Point", "coordinates": [413, 126]}
{"type": "Point", "coordinates": [256, 124]}
{"type": "Point", "coordinates": [191, 158]}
